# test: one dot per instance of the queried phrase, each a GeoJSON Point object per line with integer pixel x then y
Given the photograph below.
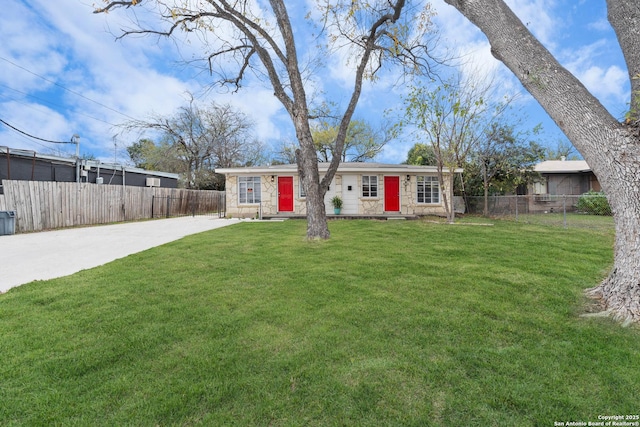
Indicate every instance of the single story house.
{"type": "Point", "coordinates": [565, 177]}
{"type": "Point", "coordinates": [559, 178]}
{"type": "Point", "coordinates": [366, 189]}
{"type": "Point", "coordinates": [17, 164]}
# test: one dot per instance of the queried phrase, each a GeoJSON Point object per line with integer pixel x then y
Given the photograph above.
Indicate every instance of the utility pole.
{"type": "Point", "coordinates": [75, 139]}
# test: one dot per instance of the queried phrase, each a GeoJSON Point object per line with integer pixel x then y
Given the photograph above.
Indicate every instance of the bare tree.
{"type": "Point", "coordinates": [229, 134]}
{"type": "Point", "coordinates": [285, 153]}
{"type": "Point", "coordinates": [260, 37]}
{"type": "Point", "coordinates": [201, 138]}
{"type": "Point", "coordinates": [563, 150]}
{"type": "Point", "coordinates": [611, 148]}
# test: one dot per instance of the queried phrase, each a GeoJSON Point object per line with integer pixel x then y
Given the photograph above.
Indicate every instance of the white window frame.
{"type": "Point", "coordinates": [250, 188]}
{"type": "Point", "coordinates": [430, 190]}
{"type": "Point", "coordinates": [540, 187]}
{"type": "Point", "coordinates": [372, 188]}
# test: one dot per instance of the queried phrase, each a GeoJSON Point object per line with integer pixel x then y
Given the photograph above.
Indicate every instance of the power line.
{"type": "Point", "coordinates": [44, 101]}
{"type": "Point", "coordinates": [35, 137]}
{"type": "Point", "coordinates": [67, 89]}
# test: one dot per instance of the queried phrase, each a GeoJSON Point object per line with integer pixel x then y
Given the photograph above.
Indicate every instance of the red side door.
{"type": "Point", "coordinates": [285, 194]}
{"type": "Point", "coordinates": [392, 194]}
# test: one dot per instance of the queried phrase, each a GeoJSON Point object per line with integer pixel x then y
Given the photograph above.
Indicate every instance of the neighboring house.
{"type": "Point", "coordinates": [561, 178]}
{"type": "Point", "coordinates": [16, 164]}
{"type": "Point", "coordinates": [367, 189]}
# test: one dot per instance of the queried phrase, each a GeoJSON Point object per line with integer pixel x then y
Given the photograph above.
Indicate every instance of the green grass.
{"type": "Point", "coordinates": [570, 220]}
{"type": "Point", "coordinates": [388, 323]}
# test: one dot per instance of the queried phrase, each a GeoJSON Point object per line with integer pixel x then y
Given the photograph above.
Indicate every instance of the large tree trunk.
{"type": "Point", "coordinates": [620, 292]}
{"type": "Point", "coordinates": [446, 190]}
{"type": "Point", "coordinates": [485, 187]}
{"type": "Point", "coordinates": [306, 158]}
{"type": "Point", "coordinates": [609, 147]}
{"type": "Point", "coordinates": [255, 44]}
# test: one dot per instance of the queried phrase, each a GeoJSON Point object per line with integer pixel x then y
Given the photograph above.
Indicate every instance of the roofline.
{"type": "Point", "coordinates": [563, 170]}
{"type": "Point", "coordinates": [562, 166]}
{"type": "Point", "coordinates": [95, 163]}
{"type": "Point", "coordinates": [343, 167]}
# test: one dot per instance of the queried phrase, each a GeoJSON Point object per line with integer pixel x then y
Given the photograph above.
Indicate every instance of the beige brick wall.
{"type": "Point", "coordinates": [366, 206]}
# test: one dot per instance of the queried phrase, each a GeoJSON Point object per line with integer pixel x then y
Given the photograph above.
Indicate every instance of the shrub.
{"type": "Point", "coordinates": [336, 202]}
{"type": "Point", "coordinates": [594, 203]}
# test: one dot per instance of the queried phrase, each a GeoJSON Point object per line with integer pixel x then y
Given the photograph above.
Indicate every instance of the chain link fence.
{"type": "Point", "coordinates": [590, 210]}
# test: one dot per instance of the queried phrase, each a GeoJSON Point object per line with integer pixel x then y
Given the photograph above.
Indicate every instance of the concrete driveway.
{"type": "Point", "coordinates": [50, 254]}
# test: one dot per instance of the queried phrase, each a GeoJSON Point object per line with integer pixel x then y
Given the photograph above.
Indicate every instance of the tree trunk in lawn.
{"type": "Point", "coordinates": [241, 33]}
{"type": "Point", "coordinates": [446, 182]}
{"type": "Point", "coordinates": [609, 147]}
{"type": "Point", "coordinates": [620, 292]}
{"type": "Point", "coordinates": [307, 160]}
{"type": "Point", "coordinates": [485, 210]}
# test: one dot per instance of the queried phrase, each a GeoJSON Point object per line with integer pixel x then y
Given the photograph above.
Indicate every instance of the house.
{"type": "Point", "coordinates": [558, 179]}
{"type": "Point", "coordinates": [565, 177]}
{"type": "Point", "coordinates": [367, 189]}
{"type": "Point", "coordinates": [17, 164]}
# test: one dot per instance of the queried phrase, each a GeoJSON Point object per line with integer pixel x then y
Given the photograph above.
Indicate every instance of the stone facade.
{"type": "Point", "coordinates": [347, 184]}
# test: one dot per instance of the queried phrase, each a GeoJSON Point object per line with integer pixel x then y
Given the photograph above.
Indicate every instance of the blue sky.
{"type": "Point", "coordinates": [62, 73]}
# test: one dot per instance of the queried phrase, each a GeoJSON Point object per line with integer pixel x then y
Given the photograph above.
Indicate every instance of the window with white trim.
{"type": "Point", "coordinates": [428, 189]}
{"type": "Point", "coordinates": [369, 186]}
{"type": "Point", "coordinates": [249, 189]}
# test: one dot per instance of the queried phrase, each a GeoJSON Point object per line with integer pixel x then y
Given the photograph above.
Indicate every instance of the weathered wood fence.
{"type": "Point", "coordinates": [41, 205]}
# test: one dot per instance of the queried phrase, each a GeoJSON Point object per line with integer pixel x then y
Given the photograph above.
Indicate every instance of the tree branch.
{"type": "Point", "coordinates": [116, 4]}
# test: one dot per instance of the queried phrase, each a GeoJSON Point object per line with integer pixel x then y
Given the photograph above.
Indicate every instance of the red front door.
{"type": "Point", "coordinates": [285, 194]}
{"type": "Point", "coordinates": [392, 194]}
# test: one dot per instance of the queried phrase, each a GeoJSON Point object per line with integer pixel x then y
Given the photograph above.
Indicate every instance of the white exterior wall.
{"type": "Point", "coordinates": [350, 197]}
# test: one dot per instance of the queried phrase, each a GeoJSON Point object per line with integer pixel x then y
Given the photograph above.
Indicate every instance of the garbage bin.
{"type": "Point", "coordinates": [7, 222]}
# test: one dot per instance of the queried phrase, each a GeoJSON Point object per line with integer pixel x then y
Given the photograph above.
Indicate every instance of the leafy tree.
{"type": "Point", "coordinates": [504, 160]}
{"type": "Point", "coordinates": [610, 147]}
{"type": "Point", "coordinates": [139, 153]}
{"type": "Point", "coordinates": [453, 118]}
{"type": "Point", "coordinates": [261, 37]}
{"type": "Point", "coordinates": [421, 154]}
{"type": "Point", "coordinates": [146, 154]}
{"type": "Point", "coordinates": [362, 143]}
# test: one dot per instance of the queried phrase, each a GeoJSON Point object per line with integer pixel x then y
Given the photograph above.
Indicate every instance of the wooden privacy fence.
{"type": "Point", "coordinates": [42, 205]}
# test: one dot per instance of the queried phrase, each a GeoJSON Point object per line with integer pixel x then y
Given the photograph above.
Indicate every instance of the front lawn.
{"type": "Point", "coordinates": [387, 323]}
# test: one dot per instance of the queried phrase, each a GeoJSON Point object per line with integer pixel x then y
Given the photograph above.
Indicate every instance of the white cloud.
{"type": "Point", "coordinates": [608, 84]}
{"type": "Point", "coordinates": [600, 25]}
{"type": "Point", "coordinates": [35, 120]}
{"type": "Point", "coordinates": [31, 46]}
{"type": "Point", "coordinates": [65, 42]}
{"type": "Point", "coordinates": [71, 46]}
{"type": "Point", "coordinates": [538, 16]}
